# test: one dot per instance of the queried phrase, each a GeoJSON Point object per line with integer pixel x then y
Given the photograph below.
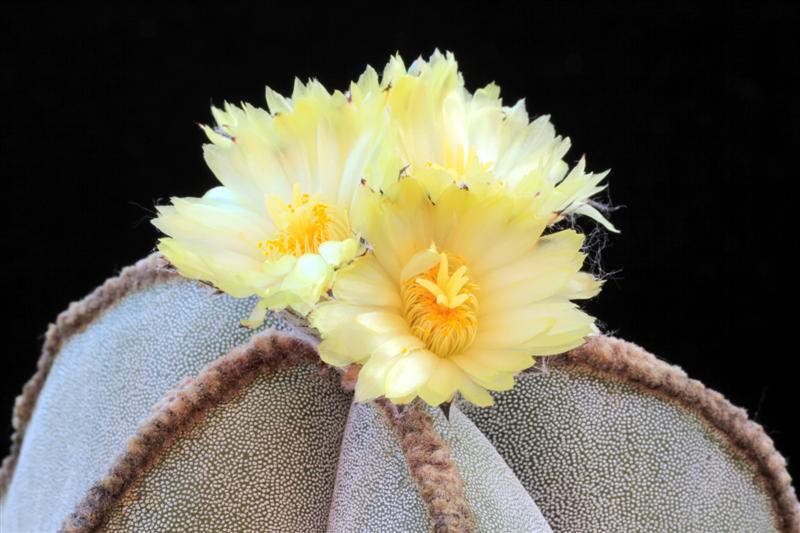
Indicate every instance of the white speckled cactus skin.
{"type": "Point", "coordinates": [598, 455]}
{"type": "Point", "coordinates": [104, 381]}
{"type": "Point", "coordinates": [290, 452]}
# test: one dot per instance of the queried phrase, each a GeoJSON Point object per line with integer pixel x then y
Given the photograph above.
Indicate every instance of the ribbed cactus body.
{"type": "Point", "coordinates": [156, 411]}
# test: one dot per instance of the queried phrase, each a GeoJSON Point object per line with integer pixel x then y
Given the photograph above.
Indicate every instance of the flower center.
{"type": "Point", "coordinates": [442, 309]}
{"type": "Point", "coordinates": [302, 225]}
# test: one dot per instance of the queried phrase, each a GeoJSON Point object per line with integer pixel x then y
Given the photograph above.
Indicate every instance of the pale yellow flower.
{"type": "Point", "coordinates": [279, 226]}
{"type": "Point", "coordinates": [454, 296]}
{"type": "Point", "coordinates": [446, 134]}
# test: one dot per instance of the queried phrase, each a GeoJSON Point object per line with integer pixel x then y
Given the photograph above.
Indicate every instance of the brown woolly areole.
{"type": "Point", "coordinates": [629, 363]}
{"type": "Point", "coordinates": [180, 410]}
{"type": "Point", "coordinates": [431, 466]}
{"type": "Point", "coordinates": [74, 319]}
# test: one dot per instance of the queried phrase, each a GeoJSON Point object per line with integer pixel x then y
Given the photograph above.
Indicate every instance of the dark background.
{"type": "Point", "coordinates": [694, 110]}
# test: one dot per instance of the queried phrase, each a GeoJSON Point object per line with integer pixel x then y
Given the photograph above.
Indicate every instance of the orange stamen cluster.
{"type": "Point", "coordinates": [302, 226]}
{"type": "Point", "coordinates": [442, 309]}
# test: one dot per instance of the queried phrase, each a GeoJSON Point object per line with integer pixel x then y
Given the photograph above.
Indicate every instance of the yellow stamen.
{"type": "Point", "coordinates": [442, 308]}
{"type": "Point", "coordinates": [302, 225]}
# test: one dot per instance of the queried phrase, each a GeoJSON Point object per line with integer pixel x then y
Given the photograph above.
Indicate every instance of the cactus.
{"type": "Point", "coordinates": [153, 410]}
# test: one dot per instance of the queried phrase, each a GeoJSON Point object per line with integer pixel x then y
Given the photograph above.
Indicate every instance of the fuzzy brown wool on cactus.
{"type": "Point", "coordinates": [112, 435]}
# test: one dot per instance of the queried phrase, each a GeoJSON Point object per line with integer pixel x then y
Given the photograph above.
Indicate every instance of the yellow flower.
{"type": "Point", "coordinates": [448, 135]}
{"type": "Point", "coordinates": [456, 295]}
{"type": "Point", "coordinates": [280, 224]}
{"type": "Point", "coordinates": [457, 289]}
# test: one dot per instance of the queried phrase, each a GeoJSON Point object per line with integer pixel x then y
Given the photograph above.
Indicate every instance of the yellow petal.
{"type": "Point", "coordinates": [409, 372]}
{"type": "Point", "coordinates": [337, 253]}
{"type": "Point", "coordinates": [383, 322]}
{"type": "Point", "coordinates": [371, 379]}
{"type": "Point", "coordinates": [504, 360]}
{"type": "Point", "coordinates": [365, 282]}
{"type": "Point", "coordinates": [421, 262]}
{"type": "Point", "coordinates": [472, 392]}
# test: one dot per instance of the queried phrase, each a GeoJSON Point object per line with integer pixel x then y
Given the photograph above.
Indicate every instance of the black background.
{"type": "Point", "coordinates": [694, 110]}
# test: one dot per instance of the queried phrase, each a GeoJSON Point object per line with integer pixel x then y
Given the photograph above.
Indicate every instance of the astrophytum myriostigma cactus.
{"type": "Point", "coordinates": [154, 410]}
